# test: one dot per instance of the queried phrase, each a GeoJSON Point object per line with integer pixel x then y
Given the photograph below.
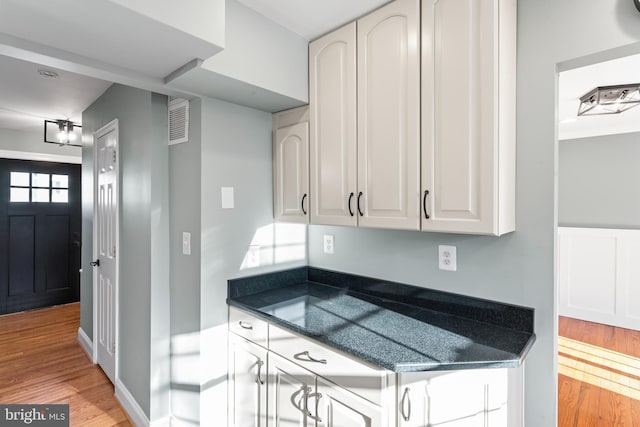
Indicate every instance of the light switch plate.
{"type": "Point", "coordinates": [186, 243]}
{"type": "Point", "coordinates": [447, 259]}
{"type": "Point", "coordinates": [226, 194]}
{"type": "Point", "coordinates": [329, 246]}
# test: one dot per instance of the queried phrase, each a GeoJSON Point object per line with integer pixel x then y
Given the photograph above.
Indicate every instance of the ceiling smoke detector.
{"type": "Point", "coordinates": [47, 73]}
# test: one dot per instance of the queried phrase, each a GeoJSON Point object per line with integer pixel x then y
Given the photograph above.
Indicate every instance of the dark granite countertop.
{"type": "Point", "coordinates": [399, 327]}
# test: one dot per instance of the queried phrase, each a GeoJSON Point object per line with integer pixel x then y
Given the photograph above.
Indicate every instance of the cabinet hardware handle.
{"type": "Point", "coordinates": [298, 405]}
{"type": "Point", "coordinates": [245, 326]}
{"type": "Point", "coordinates": [258, 375]}
{"type": "Point", "coordinates": [424, 203]}
{"type": "Point", "coordinates": [305, 354]}
{"type": "Point", "coordinates": [95, 263]}
{"type": "Point", "coordinates": [350, 197]}
{"type": "Point", "coordinates": [405, 397]}
{"type": "Point", "coordinates": [302, 203]}
{"type": "Point", "coordinates": [359, 197]}
{"type": "Point", "coordinates": [318, 396]}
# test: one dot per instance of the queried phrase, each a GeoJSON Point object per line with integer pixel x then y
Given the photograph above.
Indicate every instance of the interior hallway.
{"type": "Point", "coordinates": [598, 375]}
{"type": "Point", "coordinates": [41, 362]}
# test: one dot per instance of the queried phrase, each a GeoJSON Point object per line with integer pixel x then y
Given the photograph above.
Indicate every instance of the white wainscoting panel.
{"type": "Point", "coordinates": [599, 275]}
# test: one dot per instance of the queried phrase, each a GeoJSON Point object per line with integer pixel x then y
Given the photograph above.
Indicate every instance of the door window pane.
{"type": "Point", "coordinates": [59, 195]}
{"type": "Point", "coordinates": [40, 195]}
{"type": "Point", "coordinates": [40, 180]}
{"type": "Point", "coordinates": [19, 194]}
{"type": "Point", "coordinates": [19, 179]}
{"type": "Point", "coordinates": [60, 181]}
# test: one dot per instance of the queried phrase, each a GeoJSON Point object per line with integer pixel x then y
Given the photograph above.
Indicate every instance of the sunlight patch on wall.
{"type": "Point", "coordinates": [276, 244]}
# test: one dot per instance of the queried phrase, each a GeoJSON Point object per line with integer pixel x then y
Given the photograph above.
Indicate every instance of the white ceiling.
{"type": "Point", "coordinates": [575, 83]}
{"type": "Point", "coordinates": [312, 18]}
{"type": "Point", "coordinates": [27, 98]}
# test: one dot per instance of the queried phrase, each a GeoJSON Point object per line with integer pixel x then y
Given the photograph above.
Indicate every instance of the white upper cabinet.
{"type": "Point", "coordinates": [332, 97]}
{"type": "Point", "coordinates": [389, 116]}
{"type": "Point", "coordinates": [468, 116]}
{"type": "Point", "coordinates": [291, 165]}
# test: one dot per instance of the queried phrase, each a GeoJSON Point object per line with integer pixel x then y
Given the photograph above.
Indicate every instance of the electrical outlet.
{"type": "Point", "coordinates": [447, 259]}
{"type": "Point", "coordinates": [328, 244]}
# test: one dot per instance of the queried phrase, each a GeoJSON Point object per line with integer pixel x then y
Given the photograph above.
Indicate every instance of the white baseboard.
{"type": "Point", "coordinates": [86, 343]}
{"type": "Point", "coordinates": [130, 405]}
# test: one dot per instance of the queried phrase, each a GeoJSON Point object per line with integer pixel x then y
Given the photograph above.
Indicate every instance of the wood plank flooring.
{"type": "Point", "coordinates": [41, 362]}
{"type": "Point", "coordinates": [598, 375]}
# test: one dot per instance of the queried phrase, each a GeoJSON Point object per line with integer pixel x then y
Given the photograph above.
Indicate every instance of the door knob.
{"type": "Point", "coordinates": [95, 263]}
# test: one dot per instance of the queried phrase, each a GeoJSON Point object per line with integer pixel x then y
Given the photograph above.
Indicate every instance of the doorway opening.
{"type": "Point", "coordinates": [598, 248]}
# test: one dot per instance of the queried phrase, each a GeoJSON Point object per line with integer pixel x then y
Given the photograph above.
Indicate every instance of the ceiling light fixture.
{"type": "Point", "coordinates": [609, 99]}
{"type": "Point", "coordinates": [47, 73]}
{"type": "Point", "coordinates": [62, 132]}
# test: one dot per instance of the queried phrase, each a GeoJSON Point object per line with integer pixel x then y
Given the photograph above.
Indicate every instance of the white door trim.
{"type": "Point", "coordinates": [112, 125]}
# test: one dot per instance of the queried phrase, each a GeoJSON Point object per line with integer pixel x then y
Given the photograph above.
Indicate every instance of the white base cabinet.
{"type": "Point", "coordinates": [300, 398]}
{"type": "Point", "coordinates": [465, 398]}
{"type": "Point", "coordinates": [247, 383]}
{"type": "Point", "coordinates": [296, 382]}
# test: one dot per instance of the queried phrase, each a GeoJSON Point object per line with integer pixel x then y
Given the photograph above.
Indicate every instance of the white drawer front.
{"type": "Point", "coordinates": [367, 381]}
{"type": "Point", "coordinates": [248, 326]}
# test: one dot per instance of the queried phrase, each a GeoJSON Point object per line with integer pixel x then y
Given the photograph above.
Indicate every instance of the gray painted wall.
{"type": "Point", "coordinates": [32, 142]}
{"type": "Point", "coordinates": [598, 181]}
{"type": "Point", "coordinates": [236, 152]}
{"type": "Point", "coordinates": [143, 342]}
{"type": "Point", "coordinates": [517, 268]}
{"type": "Point", "coordinates": [185, 193]}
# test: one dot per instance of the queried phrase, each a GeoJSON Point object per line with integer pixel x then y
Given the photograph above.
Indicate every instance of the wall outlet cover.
{"type": "Point", "coordinates": [329, 246]}
{"type": "Point", "coordinates": [186, 243]}
{"type": "Point", "coordinates": [447, 258]}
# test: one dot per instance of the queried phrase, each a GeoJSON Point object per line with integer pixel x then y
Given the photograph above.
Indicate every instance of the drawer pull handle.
{"type": "Point", "coordinates": [405, 397]}
{"type": "Point", "coordinates": [318, 396]}
{"type": "Point", "coordinates": [259, 375]}
{"type": "Point", "coordinates": [306, 357]}
{"type": "Point", "coordinates": [244, 325]}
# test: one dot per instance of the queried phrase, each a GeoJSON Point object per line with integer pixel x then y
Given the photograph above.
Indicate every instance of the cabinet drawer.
{"type": "Point", "coordinates": [248, 326]}
{"type": "Point", "coordinates": [369, 382]}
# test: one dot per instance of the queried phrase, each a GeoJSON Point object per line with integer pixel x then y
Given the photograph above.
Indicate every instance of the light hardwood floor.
{"type": "Point", "coordinates": [598, 375]}
{"type": "Point", "coordinates": [41, 362]}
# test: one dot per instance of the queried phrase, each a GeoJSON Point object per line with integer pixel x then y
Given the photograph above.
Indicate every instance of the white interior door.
{"type": "Point", "coordinates": [105, 219]}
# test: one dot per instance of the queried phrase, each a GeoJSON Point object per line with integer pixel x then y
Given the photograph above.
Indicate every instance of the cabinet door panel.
{"type": "Point", "coordinates": [388, 116]}
{"type": "Point", "coordinates": [459, 115]}
{"type": "Point", "coordinates": [292, 173]}
{"type": "Point", "coordinates": [336, 407]}
{"type": "Point", "coordinates": [247, 385]}
{"type": "Point", "coordinates": [289, 387]}
{"type": "Point", "coordinates": [332, 103]}
{"type": "Point", "coordinates": [469, 398]}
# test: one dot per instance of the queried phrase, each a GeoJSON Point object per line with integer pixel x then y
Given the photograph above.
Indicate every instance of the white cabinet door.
{"type": "Point", "coordinates": [291, 167]}
{"type": "Point", "coordinates": [468, 116]}
{"type": "Point", "coordinates": [332, 99]}
{"type": "Point", "coordinates": [389, 116]}
{"type": "Point", "coordinates": [468, 398]}
{"type": "Point", "coordinates": [247, 383]}
{"type": "Point", "coordinates": [289, 390]}
{"type": "Point", "coordinates": [337, 407]}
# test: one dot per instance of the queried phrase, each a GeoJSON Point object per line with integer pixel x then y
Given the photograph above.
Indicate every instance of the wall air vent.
{"type": "Point", "coordinates": [178, 120]}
